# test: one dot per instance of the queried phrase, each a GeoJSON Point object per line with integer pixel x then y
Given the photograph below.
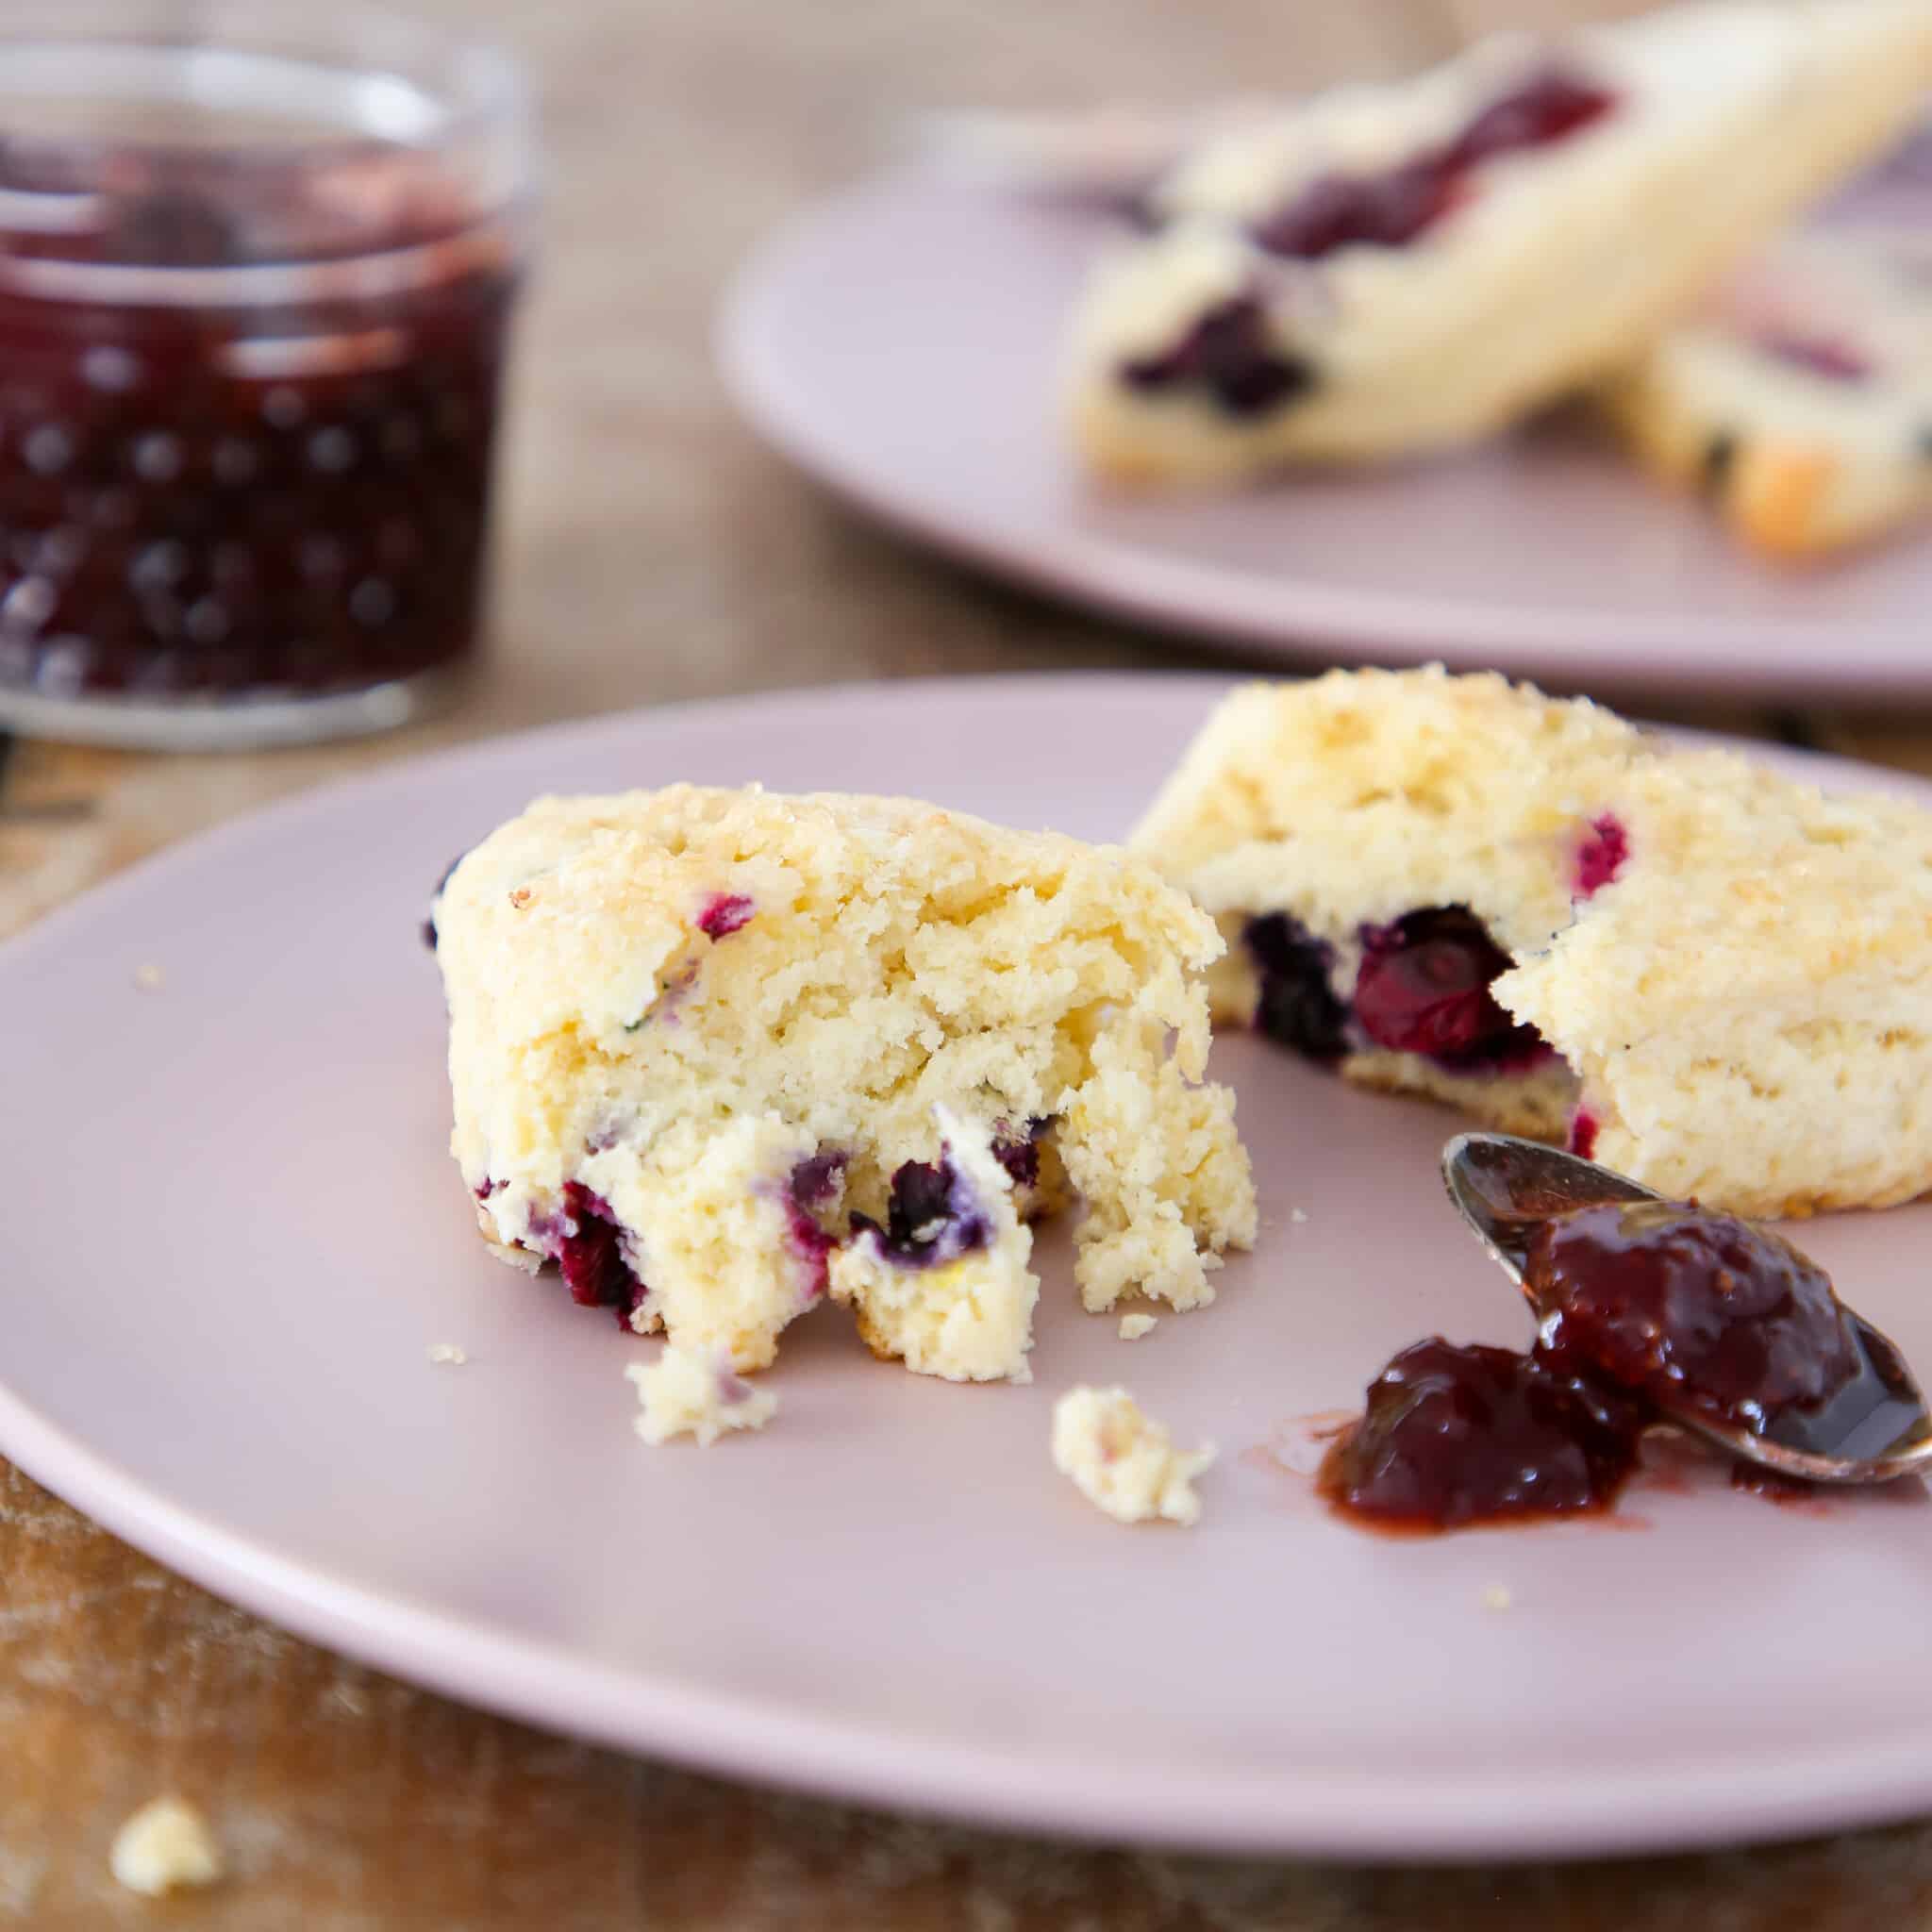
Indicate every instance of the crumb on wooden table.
{"type": "Point", "coordinates": [1496, 1596]}
{"type": "Point", "coordinates": [449, 1353]}
{"type": "Point", "coordinates": [1134, 1326]}
{"type": "Point", "coordinates": [165, 1844]}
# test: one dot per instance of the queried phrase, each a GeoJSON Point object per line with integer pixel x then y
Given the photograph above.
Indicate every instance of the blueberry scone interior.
{"type": "Point", "coordinates": [719, 1054]}
{"type": "Point", "coordinates": [1710, 976]}
{"type": "Point", "coordinates": [1398, 267]}
{"type": "Point", "coordinates": [1798, 400]}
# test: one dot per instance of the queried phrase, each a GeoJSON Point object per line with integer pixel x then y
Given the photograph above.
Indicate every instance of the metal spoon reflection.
{"type": "Point", "coordinates": [1874, 1429]}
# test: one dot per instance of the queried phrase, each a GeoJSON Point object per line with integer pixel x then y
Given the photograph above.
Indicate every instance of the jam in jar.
{"type": "Point", "coordinates": [256, 283]}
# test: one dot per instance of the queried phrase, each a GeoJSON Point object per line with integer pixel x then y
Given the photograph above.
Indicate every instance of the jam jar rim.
{"type": "Point", "coordinates": [473, 121]}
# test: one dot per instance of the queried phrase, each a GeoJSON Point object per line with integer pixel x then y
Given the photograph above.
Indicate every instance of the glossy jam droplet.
{"type": "Point", "coordinates": [1689, 1307]}
{"type": "Point", "coordinates": [1452, 1436]}
{"type": "Point", "coordinates": [1424, 987]}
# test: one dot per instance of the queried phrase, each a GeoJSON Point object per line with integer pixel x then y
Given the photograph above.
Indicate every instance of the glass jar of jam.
{"type": "Point", "coordinates": [258, 264]}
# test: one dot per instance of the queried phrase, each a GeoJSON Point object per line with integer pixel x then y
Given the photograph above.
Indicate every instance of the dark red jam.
{"type": "Point", "coordinates": [1642, 1303]}
{"type": "Point", "coordinates": [1391, 208]}
{"type": "Point", "coordinates": [1704, 1308]}
{"type": "Point", "coordinates": [225, 488]}
{"type": "Point", "coordinates": [1453, 1436]}
{"type": "Point", "coordinates": [1424, 987]}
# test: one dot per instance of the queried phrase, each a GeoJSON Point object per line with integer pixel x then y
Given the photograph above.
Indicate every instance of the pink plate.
{"type": "Point", "coordinates": [233, 1235]}
{"type": "Point", "coordinates": [900, 344]}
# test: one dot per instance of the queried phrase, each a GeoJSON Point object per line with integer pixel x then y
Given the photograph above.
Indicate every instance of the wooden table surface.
{"type": "Point", "coordinates": [650, 549]}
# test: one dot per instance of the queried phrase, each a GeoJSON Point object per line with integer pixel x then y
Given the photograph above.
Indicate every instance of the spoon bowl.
{"type": "Point", "coordinates": [1874, 1429]}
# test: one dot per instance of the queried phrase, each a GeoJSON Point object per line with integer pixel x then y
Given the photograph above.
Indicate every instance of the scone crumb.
{"type": "Point", "coordinates": [449, 1353]}
{"type": "Point", "coordinates": [1122, 1461]}
{"type": "Point", "coordinates": [689, 1392]}
{"type": "Point", "coordinates": [165, 1844]}
{"type": "Point", "coordinates": [1134, 1326]}
{"type": "Point", "coordinates": [1298, 1215]}
{"type": "Point", "coordinates": [1496, 1596]}
{"type": "Point", "coordinates": [149, 977]}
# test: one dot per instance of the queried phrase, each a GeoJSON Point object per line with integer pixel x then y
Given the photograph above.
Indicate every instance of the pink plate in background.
{"type": "Point", "coordinates": [234, 1234]}
{"type": "Point", "coordinates": [900, 343]}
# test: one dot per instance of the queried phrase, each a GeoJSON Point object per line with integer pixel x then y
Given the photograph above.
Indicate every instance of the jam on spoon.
{"type": "Point", "coordinates": [1650, 1311]}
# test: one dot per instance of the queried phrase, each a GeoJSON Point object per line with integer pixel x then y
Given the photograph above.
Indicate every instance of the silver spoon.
{"type": "Point", "coordinates": [1873, 1430]}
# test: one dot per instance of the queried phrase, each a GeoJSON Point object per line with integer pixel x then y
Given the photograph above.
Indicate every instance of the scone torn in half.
{"type": "Point", "coordinates": [1709, 977]}
{"type": "Point", "coordinates": [1395, 268]}
{"type": "Point", "coordinates": [720, 1054]}
{"type": "Point", "coordinates": [1799, 401]}
{"type": "Point", "coordinates": [1123, 1462]}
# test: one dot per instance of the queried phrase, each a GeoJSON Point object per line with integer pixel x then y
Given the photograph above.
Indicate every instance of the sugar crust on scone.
{"type": "Point", "coordinates": [721, 1054]}
{"type": "Point", "coordinates": [1733, 968]}
{"type": "Point", "coordinates": [1547, 269]}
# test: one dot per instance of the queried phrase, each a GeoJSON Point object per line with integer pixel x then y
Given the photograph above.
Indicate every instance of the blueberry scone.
{"type": "Point", "coordinates": [1396, 268]}
{"type": "Point", "coordinates": [1800, 400]}
{"type": "Point", "coordinates": [721, 1054]}
{"type": "Point", "coordinates": [1709, 977]}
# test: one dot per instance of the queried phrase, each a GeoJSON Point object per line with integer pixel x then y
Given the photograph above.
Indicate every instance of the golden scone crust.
{"type": "Point", "coordinates": [1733, 968]}
{"type": "Point", "coordinates": [707, 1029]}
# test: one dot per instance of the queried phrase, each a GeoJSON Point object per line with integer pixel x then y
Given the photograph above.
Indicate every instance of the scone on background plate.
{"type": "Point", "coordinates": [719, 1054]}
{"type": "Point", "coordinates": [1799, 400]}
{"type": "Point", "coordinates": [1397, 268]}
{"type": "Point", "coordinates": [1709, 977]}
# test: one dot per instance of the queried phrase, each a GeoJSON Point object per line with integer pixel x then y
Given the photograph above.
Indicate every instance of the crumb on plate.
{"type": "Point", "coordinates": [1122, 1461]}
{"type": "Point", "coordinates": [686, 1392]}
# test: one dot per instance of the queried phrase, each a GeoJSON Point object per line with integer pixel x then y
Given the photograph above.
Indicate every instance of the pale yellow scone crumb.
{"type": "Point", "coordinates": [149, 977]}
{"type": "Point", "coordinates": [1797, 400]}
{"type": "Point", "coordinates": [1122, 1461]}
{"type": "Point", "coordinates": [1298, 1216]}
{"type": "Point", "coordinates": [1496, 1596]}
{"type": "Point", "coordinates": [448, 1353]}
{"type": "Point", "coordinates": [689, 1392]}
{"type": "Point", "coordinates": [166, 1844]}
{"type": "Point", "coordinates": [1134, 1326]}
{"type": "Point", "coordinates": [1201, 352]}
{"type": "Point", "coordinates": [724, 1056]}
{"type": "Point", "coordinates": [1707, 975]}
